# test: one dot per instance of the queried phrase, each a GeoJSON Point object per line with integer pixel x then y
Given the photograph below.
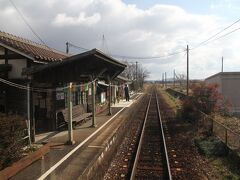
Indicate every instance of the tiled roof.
{"type": "Point", "coordinates": [36, 51]}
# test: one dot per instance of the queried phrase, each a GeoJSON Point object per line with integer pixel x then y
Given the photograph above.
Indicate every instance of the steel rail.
{"type": "Point", "coordinates": [134, 169]}
{"type": "Point", "coordinates": [164, 141]}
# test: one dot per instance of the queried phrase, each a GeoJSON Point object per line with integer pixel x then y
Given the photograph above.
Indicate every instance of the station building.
{"type": "Point", "coordinates": [229, 87]}
{"type": "Point", "coordinates": [47, 73]}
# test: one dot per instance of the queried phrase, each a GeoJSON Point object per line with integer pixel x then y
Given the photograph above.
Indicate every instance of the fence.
{"type": "Point", "coordinates": [226, 135]}
{"type": "Point", "coordinates": [175, 93]}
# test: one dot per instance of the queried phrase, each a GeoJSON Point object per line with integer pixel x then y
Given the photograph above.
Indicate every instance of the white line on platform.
{"type": "Point", "coordinates": [76, 148]}
{"type": "Point", "coordinates": [96, 146]}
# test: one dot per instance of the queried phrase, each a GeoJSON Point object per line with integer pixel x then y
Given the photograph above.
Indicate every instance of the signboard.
{"type": "Point", "coordinates": [59, 94]}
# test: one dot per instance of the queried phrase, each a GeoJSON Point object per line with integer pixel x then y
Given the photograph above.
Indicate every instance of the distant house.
{"type": "Point", "coordinates": [47, 71]}
{"type": "Point", "coordinates": [229, 87]}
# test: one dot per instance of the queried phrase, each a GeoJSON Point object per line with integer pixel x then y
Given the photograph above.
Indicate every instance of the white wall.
{"type": "Point", "coordinates": [215, 80]}
{"type": "Point", "coordinates": [231, 91]}
{"type": "Point", "coordinates": [229, 87]}
{"type": "Point", "coordinates": [17, 66]}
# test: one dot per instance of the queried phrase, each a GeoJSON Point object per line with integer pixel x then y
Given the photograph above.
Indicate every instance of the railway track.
{"type": "Point", "coordinates": [151, 160]}
{"type": "Point", "coordinates": [181, 161]}
{"type": "Point", "coordinates": [143, 152]}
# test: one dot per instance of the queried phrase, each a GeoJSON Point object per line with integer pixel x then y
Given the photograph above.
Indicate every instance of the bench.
{"type": "Point", "coordinates": [79, 116]}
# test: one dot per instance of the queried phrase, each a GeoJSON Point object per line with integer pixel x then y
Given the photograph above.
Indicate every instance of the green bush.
{"type": "Point", "coordinates": [11, 142]}
{"type": "Point", "coordinates": [211, 146]}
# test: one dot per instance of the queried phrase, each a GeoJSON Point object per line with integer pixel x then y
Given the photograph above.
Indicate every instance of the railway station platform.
{"type": "Point", "coordinates": [78, 160]}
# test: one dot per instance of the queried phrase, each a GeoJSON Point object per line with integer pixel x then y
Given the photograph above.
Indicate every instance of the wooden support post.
{"type": "Point", "coordinates": [93, 105]}
{"type": "Point", "coordinates": [70, 130]}
{"type": "Point", "coordinates": [33, 121]}
{"type": "Point", "coordinates": [110, 99]}
{"type": "Point", "coordinates": [29, 113]}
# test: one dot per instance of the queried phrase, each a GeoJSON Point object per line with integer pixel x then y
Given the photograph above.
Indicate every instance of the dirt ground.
{"type": "Point", "coordinates": [183, 154]}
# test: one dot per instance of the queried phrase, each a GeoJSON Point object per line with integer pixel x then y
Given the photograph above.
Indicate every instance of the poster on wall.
{"type": "Point", "coordinates": [89, 91]}
{"type": "Point", "coordinates": [103, 97]}
{"type": "Point", "coordinates": [59, 94]}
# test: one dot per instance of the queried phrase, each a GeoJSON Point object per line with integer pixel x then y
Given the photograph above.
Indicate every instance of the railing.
{"type": "Point", "coordinates": [175, 93]}
{"type": "Point", "coordinates": [225, 134]}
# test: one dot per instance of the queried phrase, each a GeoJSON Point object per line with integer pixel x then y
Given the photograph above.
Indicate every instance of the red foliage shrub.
{"type": "Point", "coordinates": [204, 98]}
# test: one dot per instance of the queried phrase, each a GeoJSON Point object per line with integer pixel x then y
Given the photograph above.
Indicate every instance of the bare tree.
{"type": "Point", "coordinates": [138, 77]}
{"type": "Point", "coordinates": [181, 78]}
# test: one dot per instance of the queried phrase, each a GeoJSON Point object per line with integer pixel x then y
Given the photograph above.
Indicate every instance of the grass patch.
{"type": "Point", "coordinates": [224, 162]}
{"type": "Point", "coordinates": [173, 102]}
{"type": "Point", "coordinates": [224, 169]}
{"type": "Point", "coordinates": [211, 146]}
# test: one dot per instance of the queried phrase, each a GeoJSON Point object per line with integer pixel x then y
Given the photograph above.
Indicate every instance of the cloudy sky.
{"type": "Point", "coordinates": [146, 28]}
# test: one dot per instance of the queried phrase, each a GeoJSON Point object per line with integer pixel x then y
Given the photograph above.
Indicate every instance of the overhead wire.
{"type": "Point", "coordinates": [228, 33]}
{"type": "Point", "coordinates": [148, 57]}
{"type": "Point", "coordinates": [134, 57]}
{"type": "Point", "coordinates": [27, 23]}
{"type": "Point", "coordinates": [78, 47]}
{"type": "Point", "coordinates": [205, 42]}
{"type": "Point", "coordinates": [210, 39]}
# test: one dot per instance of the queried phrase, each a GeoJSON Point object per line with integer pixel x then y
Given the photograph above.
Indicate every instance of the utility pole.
{"type": "Point", "coordinates": [187, 70]}
{"type": "Point", "coordinates": [136, 75]}
{"type": "Point", "coordinates": [136, 70]}
{"type": "Point", "coordinates": [163, 79]}
{"type": "Point", "coordinates": [174, 78]}
{"type": "Point", "coordinates": [166, 79]}
{"type": "Point", "coordinates": [222, 63]}
{"type": "Point", "coordinates": [67, 47]}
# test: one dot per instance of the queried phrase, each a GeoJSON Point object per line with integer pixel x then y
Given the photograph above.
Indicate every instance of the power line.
{"type": "Point", "coordinates": [134, 57]}
{"type": "Point", "coordinates": [78, 47]}
{"type": "Point", "coordinates": [220, 37]}
{"type": "Point", "coordinates": [148, 57]}
{"type": "Point", "coordinates": [228, 33]}
{"type": "Point", "coordinates": [26, 22]}
{"type": "Point", "coordinates": [205, 42]}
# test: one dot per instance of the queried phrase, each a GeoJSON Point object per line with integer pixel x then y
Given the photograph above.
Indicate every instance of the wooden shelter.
{"type": "Point", "coordinates": [44, 72]}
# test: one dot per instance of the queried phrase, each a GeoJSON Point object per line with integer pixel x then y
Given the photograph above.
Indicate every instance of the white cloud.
{"type": "Point", "coordinates": [64, 20]}
{"type": "Point", "coordinates": [128, 30]}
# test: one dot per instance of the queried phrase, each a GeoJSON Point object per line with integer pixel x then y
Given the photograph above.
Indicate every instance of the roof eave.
{"type": "Point", "coordinates": [17, 51]}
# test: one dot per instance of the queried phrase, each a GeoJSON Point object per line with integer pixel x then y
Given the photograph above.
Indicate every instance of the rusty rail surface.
{"type": "Point", "coordinates": [151, 160]}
